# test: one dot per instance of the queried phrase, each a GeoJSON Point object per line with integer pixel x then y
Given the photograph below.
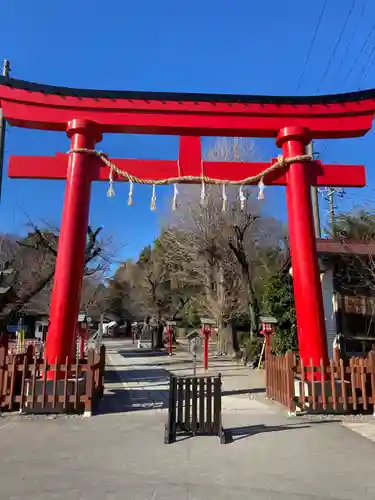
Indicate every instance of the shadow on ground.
{"type": "Point", "coordinates": [125, 401]}
{"type": "Point", "coordinates": [172, 361]}
{"type": "Point", "coordinates": [118, 399]}
{"type": "Point", "coordinates": [142, 353]}
{"type": "Point", "coordinates": [239, 433]}
{"type": "Point", "coordinates": [237, 392]}
{"type": "Point", "coordinates": [141, 376]}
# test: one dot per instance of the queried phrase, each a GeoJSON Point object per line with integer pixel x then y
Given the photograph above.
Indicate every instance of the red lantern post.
{"type": "Point", "coordinates": [82, 335]}
{"type": "Point", "coordinates": [267, 328]}
{"type": "Point", "coordinates": [268, 325]}
{"type": "Point", "coordinates": [170, 328]}
{"type": "Point", "coordinates": [206, 330]}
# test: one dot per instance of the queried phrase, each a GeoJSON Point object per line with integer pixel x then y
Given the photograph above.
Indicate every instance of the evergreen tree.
{"type": "Point", "coordinates": [278, 301]}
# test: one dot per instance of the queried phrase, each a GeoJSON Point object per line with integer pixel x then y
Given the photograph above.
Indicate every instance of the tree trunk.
{"type": "Point", "coordinates": [223, 334]}
{"type": "Point", "coordinates": [174, 339]}
{"type": "Point", "coordinates": [235, 342]}
{"type": "Point", "coordinates": [253, 311]}
{"type": "Point", "coordinates": [227, 341]}
{"type": "Point", "coordinates": [158, 332]}
{"type": "Point", "coordinates": [240, 253]}
{"type": "Point", "coordinates": [159, 336]}
{"type": "Point", "coordinates": [3, 326]}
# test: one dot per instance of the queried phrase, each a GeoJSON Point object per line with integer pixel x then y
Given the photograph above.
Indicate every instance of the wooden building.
{"type": "Point", "coordinates": [348, 285]}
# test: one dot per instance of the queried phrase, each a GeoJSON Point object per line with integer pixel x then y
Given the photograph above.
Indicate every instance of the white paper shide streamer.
{"type": "Point", "coordinates": [153, 198]}
{"type": "Point", "coordinates": [242, 198]}
{"type": "Point", "coordinates": [225, 199]}
{"type": "Point", "coordinates": [261, 190]}
{"type": "Point", "coordinates": [203, 195]}
{"type": "Point", "coordinates": [175, 194]}
{"type": "Point", "coordinates": [130, 195]}
{"type": "Point", "coordinates": [111, 190]}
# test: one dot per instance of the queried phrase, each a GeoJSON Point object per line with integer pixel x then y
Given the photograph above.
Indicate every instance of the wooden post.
{"type": "Point", "coordinates": [371, 368]}
{"type": "Point", "coordinates": [290, 364]}
{"type": "Point", "coordinates": [13, 375]}
{"type": "Point", "coordinates": [170, 428]}
{"type": "Point", "coordinates": [5, 72]}
{"type": "Point", "coordinates": [102, 369]}
{"type": "Point", "coordinates": [89, 382]}
{"type": "Point", "coordinates": [3, 375]}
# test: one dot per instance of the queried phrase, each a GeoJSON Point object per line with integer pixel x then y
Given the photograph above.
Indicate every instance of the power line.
{"type": "Point", "coordinates": [337, 45]}
{"type": "Point", "coordinates": [369, 69]}
{"type": "Point", "coordinates": [350, 43]}
{"type": "Point", "coordinates": [367, 66]}
{"type": "Point", "coordinates": [359, 55]}
{"type": "Point", "coordinates": [312, 43]}
{"type": "Point", "coordinates": [353, 66]}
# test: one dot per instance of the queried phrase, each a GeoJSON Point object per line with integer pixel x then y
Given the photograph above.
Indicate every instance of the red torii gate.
{"type": "Point", "coordinates": [86, 114]}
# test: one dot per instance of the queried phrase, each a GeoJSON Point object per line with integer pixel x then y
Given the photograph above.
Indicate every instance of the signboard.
{"type": "Point", "coordinates": [208, 321]}
{"type": "Point", "coordinates": [270, 320]}
{"type": "Point", "coordinates": [192, 335]}
{"type": "Point", "coordinates": [195, 341]}
{"type": "Point", "coordinates": [14, 328]}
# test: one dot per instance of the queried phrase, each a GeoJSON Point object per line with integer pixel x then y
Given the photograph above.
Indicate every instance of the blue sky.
{"type": "Point", "coordinates": [237, 46]}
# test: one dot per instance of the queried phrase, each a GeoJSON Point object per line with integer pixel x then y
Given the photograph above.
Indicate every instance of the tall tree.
{"type": "Point", "coordinates": [32, 262]}
{"type": "Point", "coordinates": [225, 252]}
{"type": "Point", "coordinates": [278, 301]}
{"type": "Point", "coordinates": [149, 286]}
{"type": "Point", "coordinates": [358, 224]}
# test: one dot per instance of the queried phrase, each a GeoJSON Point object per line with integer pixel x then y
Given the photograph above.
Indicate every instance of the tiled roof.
{"type": "Point", "coordinates": [361, 95]}
{"type": "Point", "coordinates": [345, 247]}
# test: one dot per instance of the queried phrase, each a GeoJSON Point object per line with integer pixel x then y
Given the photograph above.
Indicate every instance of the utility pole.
{"type": "Point", "coordinates": [331, 202]}
{"type": "Point", "coordinates": [331, 193]}
{"type": "Point", "coordinates": [314, 200]}
{"type": "Point", "coordinates": [5, 72]}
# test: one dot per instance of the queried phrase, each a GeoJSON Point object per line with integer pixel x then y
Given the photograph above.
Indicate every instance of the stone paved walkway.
{"type": "Point", "coordinates": [145, 378]}
{"type": "Point", "coordinates": [120, 454]}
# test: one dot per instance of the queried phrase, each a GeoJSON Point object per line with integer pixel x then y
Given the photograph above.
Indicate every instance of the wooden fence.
{"type": "Point", "coordinates": [280, 379]}
{"type": "Point", "coordinates": [18, 347]}
{"type": "Point", "coordinates": [74, 387]}
{"type": "Point", "coordinates": [195, 407]}
{"type": "Point", "coordinates": [344, 385]}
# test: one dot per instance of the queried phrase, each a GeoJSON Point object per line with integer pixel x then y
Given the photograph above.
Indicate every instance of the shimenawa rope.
{"type": "Point", "coordinates": [280, 163]}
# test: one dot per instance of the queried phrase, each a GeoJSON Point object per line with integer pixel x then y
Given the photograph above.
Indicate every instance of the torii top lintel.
{"type": "Point", "coordinates": [45, 107]}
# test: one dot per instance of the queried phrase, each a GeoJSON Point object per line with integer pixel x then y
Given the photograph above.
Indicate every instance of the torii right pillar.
{"type": "Point", "coordinates": [311, 330]}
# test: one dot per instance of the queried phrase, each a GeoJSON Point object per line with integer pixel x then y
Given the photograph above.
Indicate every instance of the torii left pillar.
{"type": "Point", "coordinates": [70, 260]}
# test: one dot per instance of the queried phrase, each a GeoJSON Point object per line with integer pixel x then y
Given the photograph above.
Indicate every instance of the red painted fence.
{"type": "Point", "coordinates": [75, 387]}
{"type": "Point", "coordinates": [345, 385]}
